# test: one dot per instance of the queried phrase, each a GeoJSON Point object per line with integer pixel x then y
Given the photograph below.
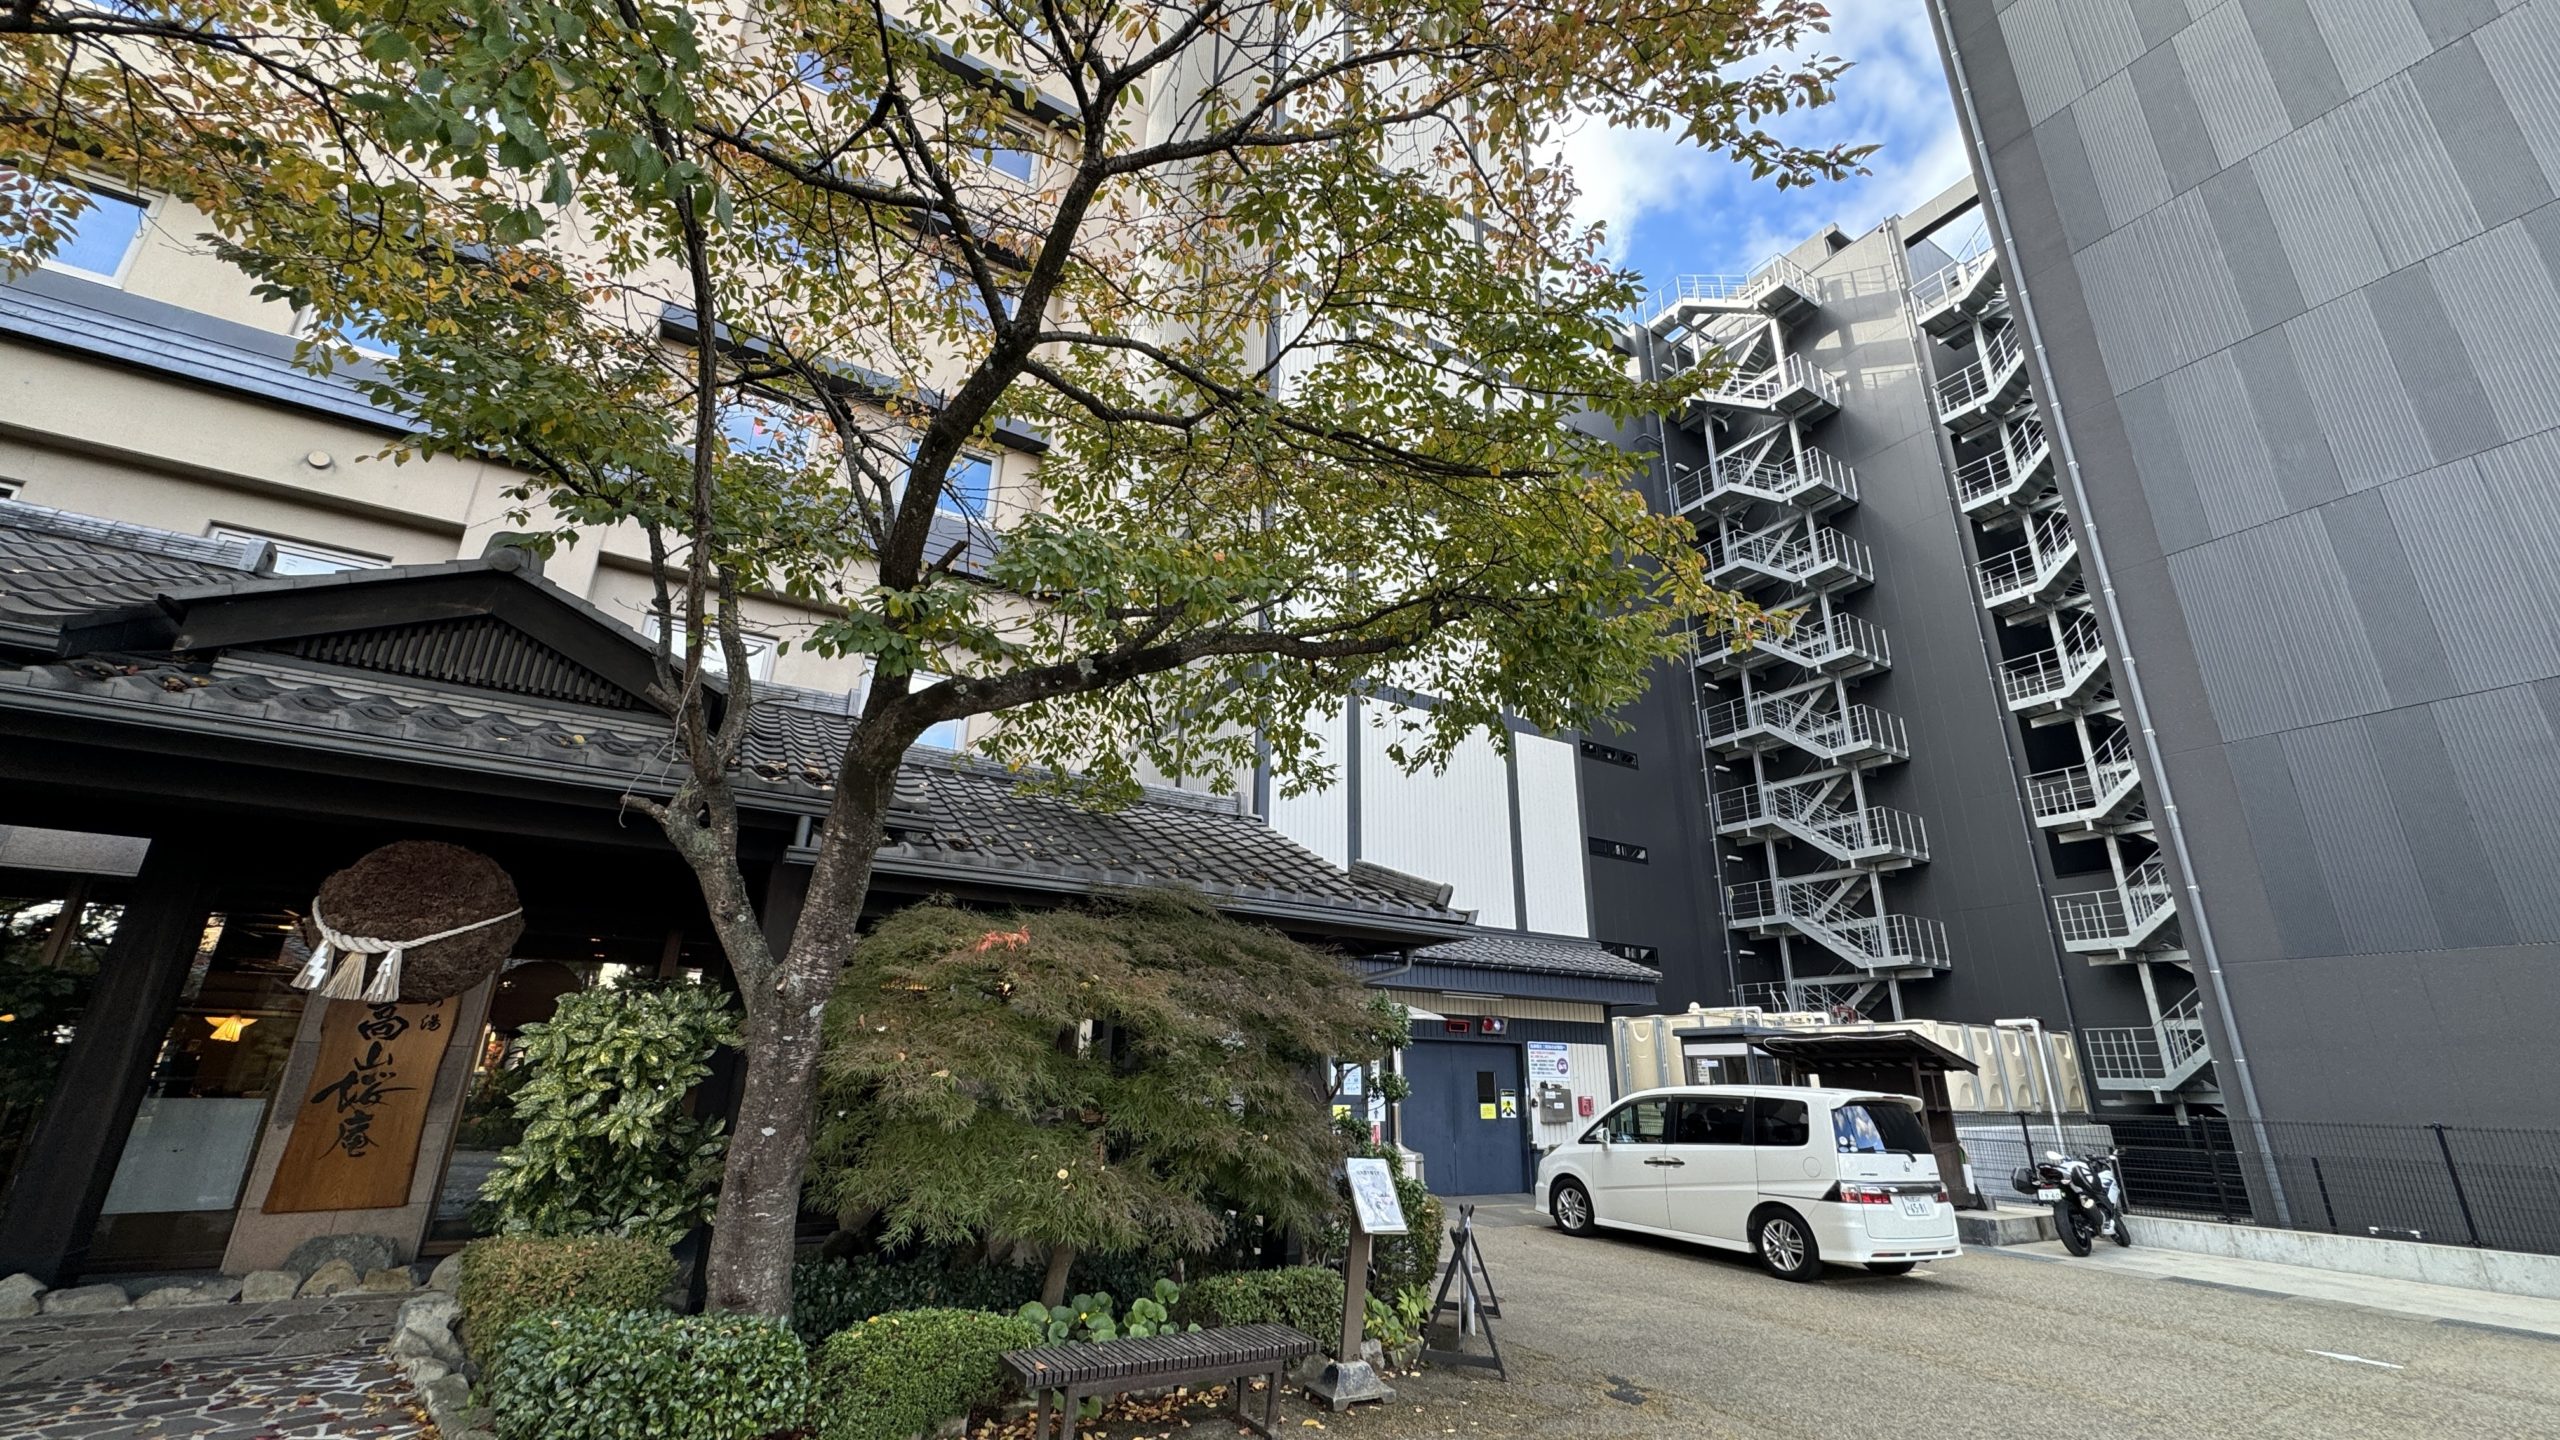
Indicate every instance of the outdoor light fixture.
{"type": "Point", "coordinates": [228, 1027]}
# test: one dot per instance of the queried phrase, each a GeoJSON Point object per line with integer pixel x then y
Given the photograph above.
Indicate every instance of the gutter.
{"type": "Point", "coordinates": [2130, 681]}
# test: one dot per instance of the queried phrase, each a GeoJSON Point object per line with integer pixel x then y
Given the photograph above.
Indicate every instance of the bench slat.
{"type": "Point", "coordinates": [1136, 1359]}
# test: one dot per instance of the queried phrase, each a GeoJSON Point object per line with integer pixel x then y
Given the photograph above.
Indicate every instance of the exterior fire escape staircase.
{"type": "Point", "coordinates": [2058, 680]}
{"type": "Point", "coordinates": [1791, 753]}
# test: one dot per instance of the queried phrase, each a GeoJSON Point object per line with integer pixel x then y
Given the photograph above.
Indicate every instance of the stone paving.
{"type": "Point", "coordinates": [291, 1370]}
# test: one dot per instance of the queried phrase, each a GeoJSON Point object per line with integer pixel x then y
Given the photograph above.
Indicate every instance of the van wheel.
{"type": "Point", "coordinates": [1572, 1206]}
{"type": "Point", "coordinates": [1891, 1267]}
{"type": "Point", "coordinates": [1785, 1244]}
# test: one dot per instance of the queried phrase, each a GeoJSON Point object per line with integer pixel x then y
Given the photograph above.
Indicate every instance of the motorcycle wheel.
{"type": "Point", "coordinates": [2123, 1231]}
{"type": "Point", "coordinates": [2073, 1230]}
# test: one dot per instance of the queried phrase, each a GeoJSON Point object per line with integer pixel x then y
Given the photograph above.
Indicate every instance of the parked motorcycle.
{"type": "Point", "coordinates": [2086, 1193]}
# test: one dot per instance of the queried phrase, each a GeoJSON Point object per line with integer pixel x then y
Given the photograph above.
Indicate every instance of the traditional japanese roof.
{"type": "Point", "coordinates": [503, 678]}
{"type": "Point", "coordinates": [1511, 962]}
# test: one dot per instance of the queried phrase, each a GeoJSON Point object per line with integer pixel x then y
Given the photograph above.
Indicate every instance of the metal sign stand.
{"type": "Point", "coordinates": [1476, 1306]}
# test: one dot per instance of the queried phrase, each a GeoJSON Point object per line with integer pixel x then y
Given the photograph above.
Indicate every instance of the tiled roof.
{"type": "Point", "coordinates": [55, 564]}
{"type": "Point", "coordinates": [1537, 955]}
{"type": "Point", "coordinates": [957, 819]}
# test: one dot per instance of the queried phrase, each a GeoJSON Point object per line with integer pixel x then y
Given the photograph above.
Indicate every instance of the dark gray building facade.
{"type": "Point", "coordinates": [2287, 276]}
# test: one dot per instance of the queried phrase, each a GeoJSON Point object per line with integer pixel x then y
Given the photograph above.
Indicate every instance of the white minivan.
{"type": "Point", "coordinates": [1794, 1174]}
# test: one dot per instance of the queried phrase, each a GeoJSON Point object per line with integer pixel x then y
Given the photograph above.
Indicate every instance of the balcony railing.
{"type": "Point", "coordinates": [2137, 1057]}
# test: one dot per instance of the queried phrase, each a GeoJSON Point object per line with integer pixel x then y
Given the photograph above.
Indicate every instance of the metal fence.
{"type": "Point", "coordinates": [2443, 1184]}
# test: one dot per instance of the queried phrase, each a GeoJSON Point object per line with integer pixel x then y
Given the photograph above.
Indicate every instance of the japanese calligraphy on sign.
{"type": "Point", "coordinates": [354, 1144]}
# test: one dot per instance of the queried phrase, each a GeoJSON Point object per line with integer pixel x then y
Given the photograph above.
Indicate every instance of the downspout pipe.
{"type": "Point", "coordinates": [2094, 552]}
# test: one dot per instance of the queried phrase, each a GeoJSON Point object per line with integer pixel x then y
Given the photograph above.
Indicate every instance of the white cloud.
{"type": "Point", "coordinates": [1672, 207]}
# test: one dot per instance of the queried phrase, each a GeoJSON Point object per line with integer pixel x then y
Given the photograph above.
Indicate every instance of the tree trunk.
{"type": "Point", "coordinates": [753, 1234]}
{"type": "Point", "coordinates": [1053, 1289]}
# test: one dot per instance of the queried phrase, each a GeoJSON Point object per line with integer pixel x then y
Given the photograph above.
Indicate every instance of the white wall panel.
{"type": "Point", "coordinates": [1552, 849]}
{"type": "Point", "coordinates": [1321, 819]}
{"type": "Point", "coordinates": [1452, 826]}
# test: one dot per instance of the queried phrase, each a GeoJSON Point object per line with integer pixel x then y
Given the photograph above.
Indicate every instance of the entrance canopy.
{"type": "Point", "coordinates": [1865, 1050]}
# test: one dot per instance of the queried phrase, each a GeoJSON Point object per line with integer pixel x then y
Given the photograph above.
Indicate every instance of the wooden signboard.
{"type": "Point", "coordinates": [354, 1144]}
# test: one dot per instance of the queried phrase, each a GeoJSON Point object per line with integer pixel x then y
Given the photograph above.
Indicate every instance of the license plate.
{"type": "Point", "coordinates": [2048, 1195]}
{"type": "Point", "coordinates": [1919, 1206]}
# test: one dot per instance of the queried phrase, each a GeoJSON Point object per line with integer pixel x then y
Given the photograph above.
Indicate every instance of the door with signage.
{"type": "Point", "coordinates": [1465, 1116]}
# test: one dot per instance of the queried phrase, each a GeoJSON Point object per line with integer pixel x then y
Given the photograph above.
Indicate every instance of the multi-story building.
{"type": "Point", "coordinates": [2287, 277]}
{"type": "Point", "coordinates": [2196, 487]}
{"type": "Point", "coordinates": [1919, 801]}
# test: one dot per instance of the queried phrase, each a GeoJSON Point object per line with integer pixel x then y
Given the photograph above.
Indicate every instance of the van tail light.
{"type": "Point", "coordinates": [1942, 1194]}
{"type": "Point", "coordinates": [1864, 1195]}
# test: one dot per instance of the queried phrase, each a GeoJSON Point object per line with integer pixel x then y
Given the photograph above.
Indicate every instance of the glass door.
{"type": "Point", "coordinates": [177, 1186]}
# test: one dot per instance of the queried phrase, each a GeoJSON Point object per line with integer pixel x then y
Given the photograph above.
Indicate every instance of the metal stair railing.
{"type": "Point", "coordinates": [1736, 290]}
{"type": "Point", "coordinates": [1874, 833]}
{"type": "Point", "coordinates": [2077, 792]}
{"type": "Point", "coordinates": [2023, 573]}
{"type": "Point", "coordinates": [1783, 483]}
{"type": "Point", "coordinates": [1806, 723]}
{"type": "Point", "coordinates": [1789, 554]}
{"type": "Point", "coordinates": [2114, 919]}
{"type": "Point", "coordinates": [1945, 286]}
{"type": "Point", "coordinates": [1826, 997]}
{"type": "Point", "coordinates": [1762, 388]}
{"type": "Point", "coordinates": [2004, 470]}
{"type": "Point", "coordinates": [1978, 382]}
{"type": "Point", "coordinates": [1875, 942]}
{"type": "Point", "coordinates": [2053, 674]}
{"type": "Point", "coordinates": [2139, 1057]}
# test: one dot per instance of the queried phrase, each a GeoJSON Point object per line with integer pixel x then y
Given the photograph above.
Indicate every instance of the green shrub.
{"type": "Point", "coordinates": [591, 1374]}
{"type": "Point", "coordinates": [892, 1375]}
{"type": "Point", "coordinates": [508, 1277]}
{"type": "Point", "coordinates": [606, 1146]}
{"type": "Point", "coordinates": [827, 1294]}
{"type": "Point", "coordinates": [1307, 1297]}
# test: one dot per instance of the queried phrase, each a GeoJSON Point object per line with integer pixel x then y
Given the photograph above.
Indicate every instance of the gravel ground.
{"type": "Point", "coordinates": [1635, 1337]}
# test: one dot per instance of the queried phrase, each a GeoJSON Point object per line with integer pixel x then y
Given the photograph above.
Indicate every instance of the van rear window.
{"type": "Point", "coordinates": [1878, 1127]}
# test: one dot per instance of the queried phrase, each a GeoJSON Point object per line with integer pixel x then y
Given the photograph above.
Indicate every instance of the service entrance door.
{"type": "Point", "coordinates": [1456, 1117]}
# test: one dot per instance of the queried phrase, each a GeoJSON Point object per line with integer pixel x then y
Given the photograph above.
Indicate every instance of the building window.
{"type": "Point", "coordinates": [1619, 850]}
{"type": "Point", "coordinates": [1013, 164]}
{"type": "Point", "coordinates": [360, 332]}
{"type": "Point", "coordinates": [9, 489]}
{"type": "Point", "coordinates": [1608, 754]}
{"type": "Point", "coordinates": [1641, 954]}
{"type": "Point", "coordinates": [103, 237]}
{"type": "Point", "coordinates": [970, 484]}
{"type": "Point", "coordinates": [300, 557]}
{"type": "Point", "coordinates": [761, 650]}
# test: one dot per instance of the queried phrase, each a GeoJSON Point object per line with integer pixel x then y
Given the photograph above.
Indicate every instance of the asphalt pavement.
{"type": "Point", "coordinates": [1634, 1337]}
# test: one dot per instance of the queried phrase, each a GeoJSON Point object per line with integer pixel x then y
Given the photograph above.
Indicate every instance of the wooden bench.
{"type": "Point", "coordinates": [1233, 1353]}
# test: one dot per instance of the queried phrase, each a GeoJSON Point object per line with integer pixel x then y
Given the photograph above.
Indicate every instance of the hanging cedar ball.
{"type": "Point", "coordinates": [406, 892]}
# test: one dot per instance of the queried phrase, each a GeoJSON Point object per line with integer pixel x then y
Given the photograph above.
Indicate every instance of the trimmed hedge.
{"type": "Point", "coordinates": [828, 1295]}
{"type": "Point", "coordinates": [589, 1374]}
{"type": "Point", "coordinates": [893, 1375]}
{"type": "Point", "coordinates": [1307, 1297]}
{"type": "Point", "coordinates": [508, 1277]}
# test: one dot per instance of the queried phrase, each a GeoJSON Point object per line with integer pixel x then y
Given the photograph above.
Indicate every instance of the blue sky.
{"type": "Point", "coordinates": [1673, 209]}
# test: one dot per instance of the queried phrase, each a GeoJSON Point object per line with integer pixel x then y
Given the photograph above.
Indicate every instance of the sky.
{"type": "Point", "coordinates": [1673, 209]}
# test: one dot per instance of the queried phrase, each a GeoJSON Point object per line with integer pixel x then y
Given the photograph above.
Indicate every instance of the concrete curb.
{"type": "Point", "coordinates": [2500, 1272]}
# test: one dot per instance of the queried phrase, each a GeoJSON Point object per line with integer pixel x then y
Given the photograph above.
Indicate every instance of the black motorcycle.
{"type": "Point", "coordinates": [2086, 1193]}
